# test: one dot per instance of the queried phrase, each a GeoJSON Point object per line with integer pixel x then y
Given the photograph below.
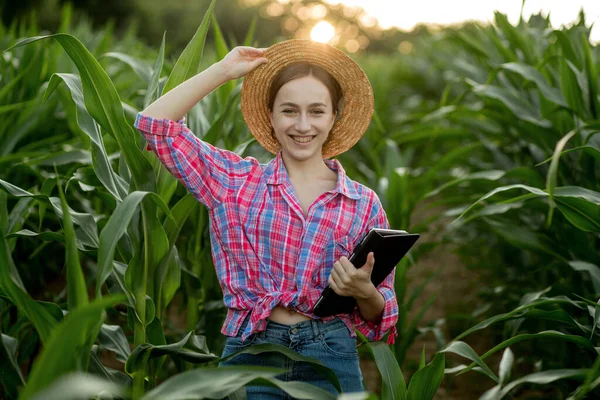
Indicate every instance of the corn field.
{"type": "Point", "coordinates": [107, 287]}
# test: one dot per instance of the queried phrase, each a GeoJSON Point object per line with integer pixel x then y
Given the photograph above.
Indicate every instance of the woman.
{"type": "Point", "coordinates": [282, 231]}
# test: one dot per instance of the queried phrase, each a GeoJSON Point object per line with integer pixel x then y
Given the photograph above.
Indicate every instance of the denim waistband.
{"type": "Point", "coordinates": [308, 329]}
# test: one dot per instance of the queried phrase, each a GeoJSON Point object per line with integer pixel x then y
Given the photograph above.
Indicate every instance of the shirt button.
{"type": "Point", "coordinates": [294, 330]}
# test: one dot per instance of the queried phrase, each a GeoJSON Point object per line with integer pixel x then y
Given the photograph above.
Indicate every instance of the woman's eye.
{"type": "Point", "coordinates": [288, 111]}
{"type": "Point", "coordinates": [318, 111]}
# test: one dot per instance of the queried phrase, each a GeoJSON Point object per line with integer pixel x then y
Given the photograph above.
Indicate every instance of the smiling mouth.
{"type": "Point", "coordinates": [302, 139]}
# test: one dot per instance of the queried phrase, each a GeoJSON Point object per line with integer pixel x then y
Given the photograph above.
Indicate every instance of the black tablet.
{"type": "Point", "coordinates": [388, 246]}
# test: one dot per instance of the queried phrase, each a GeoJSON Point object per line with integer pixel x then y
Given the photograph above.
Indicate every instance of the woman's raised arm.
{"type": "Point", "coordinates": [178, 101]}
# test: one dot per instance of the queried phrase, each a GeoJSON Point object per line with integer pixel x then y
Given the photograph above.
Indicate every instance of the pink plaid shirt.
{"type": "Point", "coordinates": [266, 252]}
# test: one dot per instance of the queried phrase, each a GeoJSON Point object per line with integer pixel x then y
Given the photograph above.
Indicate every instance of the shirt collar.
{"type": "Point", "coordinates": [276, 174]}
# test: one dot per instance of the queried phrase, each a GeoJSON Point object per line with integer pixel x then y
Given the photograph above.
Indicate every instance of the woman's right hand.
{"type": "Point", "coordinates": [241, 60]}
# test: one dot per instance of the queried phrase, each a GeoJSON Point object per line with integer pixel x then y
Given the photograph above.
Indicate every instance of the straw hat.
{"type": "Point", "coordinates": [357, 93]}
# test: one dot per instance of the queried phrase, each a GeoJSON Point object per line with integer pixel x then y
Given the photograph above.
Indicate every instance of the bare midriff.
{"type": "Point", "coordinates": [286, 316]}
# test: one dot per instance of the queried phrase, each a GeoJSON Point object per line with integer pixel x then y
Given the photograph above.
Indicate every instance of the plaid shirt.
{"type": "Point", "coordinates": [266, 252]}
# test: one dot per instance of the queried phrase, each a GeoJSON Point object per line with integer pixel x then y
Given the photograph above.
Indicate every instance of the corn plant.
{"type": "Point", "coordinates": [518, 125]}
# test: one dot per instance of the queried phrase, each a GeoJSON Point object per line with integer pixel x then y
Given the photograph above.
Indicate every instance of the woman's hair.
{"type": "Point", "coordinates": [300, 70]}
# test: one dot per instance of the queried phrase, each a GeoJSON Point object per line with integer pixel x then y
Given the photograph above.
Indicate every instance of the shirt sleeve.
{"type": "Point", "coordinates": [208, 172]}
{"type": "Point", "coordinates": [389, 318]}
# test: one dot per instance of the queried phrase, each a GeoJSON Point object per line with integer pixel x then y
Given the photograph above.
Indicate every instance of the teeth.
{"type": "Point", "coordinates": [301, 139]}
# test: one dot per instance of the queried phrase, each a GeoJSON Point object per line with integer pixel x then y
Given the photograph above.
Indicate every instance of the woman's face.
{"type": "Point", "coordinates": [302, 117]}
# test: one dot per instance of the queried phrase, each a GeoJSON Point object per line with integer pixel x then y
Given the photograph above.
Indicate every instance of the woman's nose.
{"type": "Point", "coordinates": [302, 124]}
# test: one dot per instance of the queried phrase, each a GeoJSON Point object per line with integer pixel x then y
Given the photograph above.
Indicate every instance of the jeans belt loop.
{"type": "Point", "coordinates": [315, 327]}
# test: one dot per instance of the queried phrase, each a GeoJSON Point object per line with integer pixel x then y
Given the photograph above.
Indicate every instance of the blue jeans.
{"type": "Point", "coordinates": [330, 343]}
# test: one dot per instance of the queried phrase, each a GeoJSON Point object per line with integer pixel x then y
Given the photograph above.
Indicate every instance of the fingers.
{"type": "Point", "coordinates": [370, 260]}
{"type": "Point", "coordinates": [347, 266]}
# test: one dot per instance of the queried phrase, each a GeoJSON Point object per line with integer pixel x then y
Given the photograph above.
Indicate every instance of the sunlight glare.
{"type": "Point", "coordinates": [322, 32]}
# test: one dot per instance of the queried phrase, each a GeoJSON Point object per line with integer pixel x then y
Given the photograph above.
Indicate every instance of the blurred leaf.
{"type": "Point", "coordinates": [592, 269]}
{"type": "Point", "coordinates": [533, 75]}
{"type": "Point", "coordinates": [139, 67]}
{"type": "Point", "coordinates": [80, 386]}
{"type": "Point", "coordinates": [506, 364]}
{"type": "Point", "coordinates": [188, 63]}
{"type": "Point", "coordinates": [514, 102]}
{"type": "Point", "coordinates": [152, 92]}
{"type": "Point", "coordinates": [216, 383]}
{"type": "Point", "coordinates": [251, 30]}
{"type": "Point", "coordinates": [11, 377]}
{"type": "Point", "coordinates": [592, 151]}
{"type": "Point", "coordinates": [69, 345]}
{"type": "Point", "coordinates": [221, 48]}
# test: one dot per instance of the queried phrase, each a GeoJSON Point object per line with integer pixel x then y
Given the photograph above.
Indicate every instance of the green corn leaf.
{"type": "Point", "coordinates": [11, 376]}
{"type": "Point", "coordinates": [591, 75]}
{"type": "Point", "coordinates": [514, 103]}
{"type": "Point", "coordinates": [571, 88]}
{"type": "Point", "coordinates": [68, 348]}
{"type": "Point", "coordinates": [540, 378]}
{"type": "Point", "coordinates": [152, 91]}
{"type": "Point", "coordinates": [77, 295]}
{"type": "Point", "coordinates": [100, 160]}
{"type": "Point", "coordinates": [393, 385]}
{"type": "Point", "coordinates": [12, 287]}
{"type": "Point", "coordinates": [216, 383]}
{"type": "Point", "coordinates": [78, 386]}
{"type": "Point", "coordinates": [140, 68]}
{"type": "Point", "coordinates": [592, 269]}
{"type": "Point", "coordinates": [192, 348]}
{"type": "Point", "coordinates": [515, 38]}
{"type": "Point", "coordinates": [464, 350]}
{"type": "Point", "coordinates": [115, 228]}
{"type": "Point", "coordinates": [113, 339]}
{"type": "Point", "coordinates": [221, 48]}
{"type": "Point", "coordinates": [533, 190]}
{"type": "Point", "coordinates": [533, 75]}
{"type": "Point", "coordinates": [506, 364]}
{"type": "Point", "coordinates": [592, 151]}
{"type": "Point", "coordinates": [581, 213]}
{"type": "Point", "coordinates": [251, 31]}
{"type": "Point", "coordinates": [576, 339]}
{"type": "Point", "coordinates": [292, 355]}
{"type": "Point", "coordinates": [188, 64]}
{"type": "Point", "coordinates": [104, 105]}
{"type": "Point", "coordinates": [426, 381]}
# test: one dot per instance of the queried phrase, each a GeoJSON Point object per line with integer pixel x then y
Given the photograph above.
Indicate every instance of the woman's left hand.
{"type": "Point", "coordinates": [347, 280]}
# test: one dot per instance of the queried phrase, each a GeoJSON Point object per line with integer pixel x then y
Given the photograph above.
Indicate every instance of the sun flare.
{"type": "Point", "coordinates": [322, 32]}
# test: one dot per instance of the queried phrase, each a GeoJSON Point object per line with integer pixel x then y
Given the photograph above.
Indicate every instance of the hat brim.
{"type": "Point", "coordinates": [357, 93]}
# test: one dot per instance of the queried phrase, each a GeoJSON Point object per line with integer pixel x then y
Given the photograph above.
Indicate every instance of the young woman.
{"type": "Point", "coordinates": [282, 231]}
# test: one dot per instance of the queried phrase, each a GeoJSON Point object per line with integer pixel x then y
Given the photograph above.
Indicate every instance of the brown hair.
{"type": "Point", "coordinates": [300, 70]}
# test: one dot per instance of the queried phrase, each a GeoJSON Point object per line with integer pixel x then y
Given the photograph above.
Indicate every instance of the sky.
{"type": "Point", "coordinates": [406, 14]}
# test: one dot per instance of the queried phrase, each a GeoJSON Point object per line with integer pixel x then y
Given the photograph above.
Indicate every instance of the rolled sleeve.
{"type": "Point", "coordinates": [389, 317]}
{"type": "Point", "coordinates": [208, 172]}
